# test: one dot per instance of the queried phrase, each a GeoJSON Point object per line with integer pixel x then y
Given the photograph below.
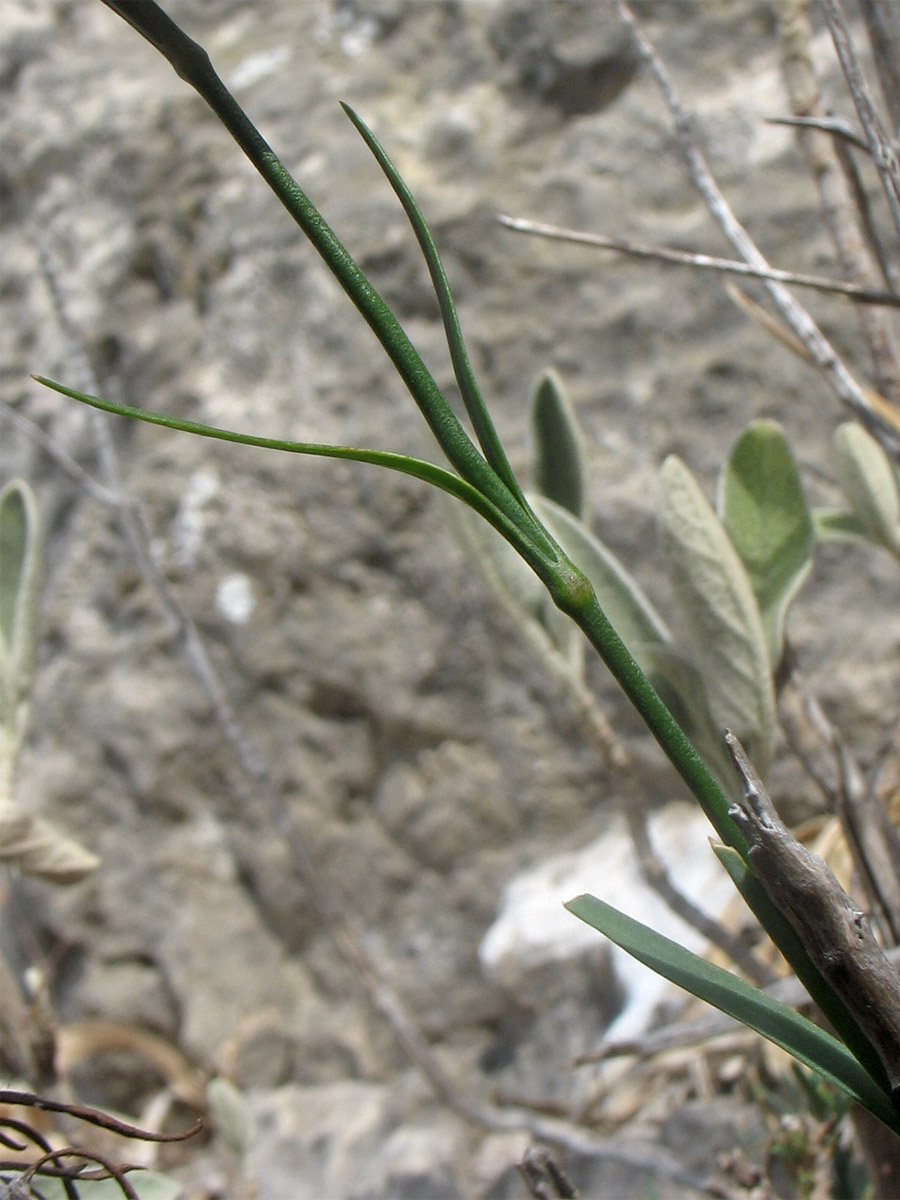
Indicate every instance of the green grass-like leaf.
{"type": "Point", "coordinates": [788, 1029]}
{"type": "Point", "coordinates": [428, 472]}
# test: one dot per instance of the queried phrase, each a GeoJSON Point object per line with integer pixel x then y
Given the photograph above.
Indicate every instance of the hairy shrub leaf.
{"type": "Point", "coordinates": [764, 511]}
{"type": "Point", "coordinates": [720, 611]}
{"type": "Point", "coordinates": [20, 581]}
{"type": "Point", "coordinates": [870, 484]}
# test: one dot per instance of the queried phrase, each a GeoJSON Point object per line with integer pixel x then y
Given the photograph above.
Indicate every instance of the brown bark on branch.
{"type": "Point", "coordinates": [834, 930]}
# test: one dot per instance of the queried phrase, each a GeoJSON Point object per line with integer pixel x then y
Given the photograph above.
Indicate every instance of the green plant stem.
{"type": "Point", "coordinates": [580, 602]}
{"type": "Point", "coordinates": [191, 62]}
{"type": "Point", "coordinates": [585, 610]}
{"type": "Point", "coordinates": [493, 490]}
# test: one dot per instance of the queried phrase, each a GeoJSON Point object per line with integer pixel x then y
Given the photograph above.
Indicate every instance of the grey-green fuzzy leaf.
{"type": "Point", "coordinates": [20, 581]}
{"type": "Point", "coordinates": [765, 513]}
{"type": "Point", "coordinates": [869, 483]}
{"type": "Point", "coordinates": [719, 609]}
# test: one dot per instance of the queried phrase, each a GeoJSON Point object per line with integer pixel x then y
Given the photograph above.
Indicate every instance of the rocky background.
{"type": "Point", "coordinates": [403, 728]}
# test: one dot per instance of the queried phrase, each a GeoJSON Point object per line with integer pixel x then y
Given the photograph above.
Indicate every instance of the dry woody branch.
{"type": "Point", "coordinates": [834, 930]}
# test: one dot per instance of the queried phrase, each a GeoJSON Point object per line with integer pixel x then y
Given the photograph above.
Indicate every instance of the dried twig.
{"type": "Point", "coordinates": [882, 20]}
{"type": "Point", "coordinates": [873, 841]}
{"type": "Point", "coordinates": [864, 212]}
{"type": "Point", "coordinates": [690, 258]}
{"type": "Point", "coordinates": [888, 414]}
{"type": "Point", "coordinates": [870, 836]}
{"type": "Point", "coordinates": [93, 1116]}
{"type": "Point", "coordinates": [833, 929]}
{"type": "Point", "coordinates": [821, 352]}
{"type": "Point", "coordinates": [540, 1171]}
{"type": "Point", "coordinates": [76, 1173]}
{"type": "Point", "coordinates": [837, 126]}
{"type": "Point", "coordinates": [883, 153]}
{"type": "Point", "coordinates": [834, 177]}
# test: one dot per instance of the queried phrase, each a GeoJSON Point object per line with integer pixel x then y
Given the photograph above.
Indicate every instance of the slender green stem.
{"type": "Point", "coordinates": [192, 63]}
{"type": "Point", "coordinates": [485, 482]}
{"type": "Point", "coordinates": [585, 610]}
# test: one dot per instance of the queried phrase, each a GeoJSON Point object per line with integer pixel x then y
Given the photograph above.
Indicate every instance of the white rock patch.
{"type": "Point", "coordinates": [533, 928]}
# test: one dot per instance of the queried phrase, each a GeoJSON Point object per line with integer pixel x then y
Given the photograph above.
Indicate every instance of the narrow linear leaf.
{"type": "Point", "coordinates": [765, 514]}
{"type": "Point", "coordinates": [869, 483]}
{"type": "Point", "coordinates": [557, 457]}
{"type": "Point", "coordinates": [788, 1029]}
{"type": "Point", "coordinates": [719, 609]}
{"type": "Point", "coordinates": [468, 388]}
{"type": "Point", "coordinates": [439, 477]}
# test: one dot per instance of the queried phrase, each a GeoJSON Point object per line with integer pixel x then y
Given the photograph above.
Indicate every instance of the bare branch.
{"type": "Point", "coordinates": [691, 258]}
{"type": "Point", "coordinates": [883, 153]}
{"type": "Point", "coordinates": [821, 352]}
{"type": "Point", "coordinates": [870, 836]}
{"type": "Point", "coordinates": [93, 1116]}
{"type": "Point", "coordinates": [863, 205]}
{"type": "Point", "coordinates": [834, 930]}
{"type": "Point", "coordinates": [872, 839]}
{"type": "Point", "coordinates": [882, 18]}
{"type": "Point", "coordinates": [837, 126]}
{"type": "Point", "coordinates": [834, 174]}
